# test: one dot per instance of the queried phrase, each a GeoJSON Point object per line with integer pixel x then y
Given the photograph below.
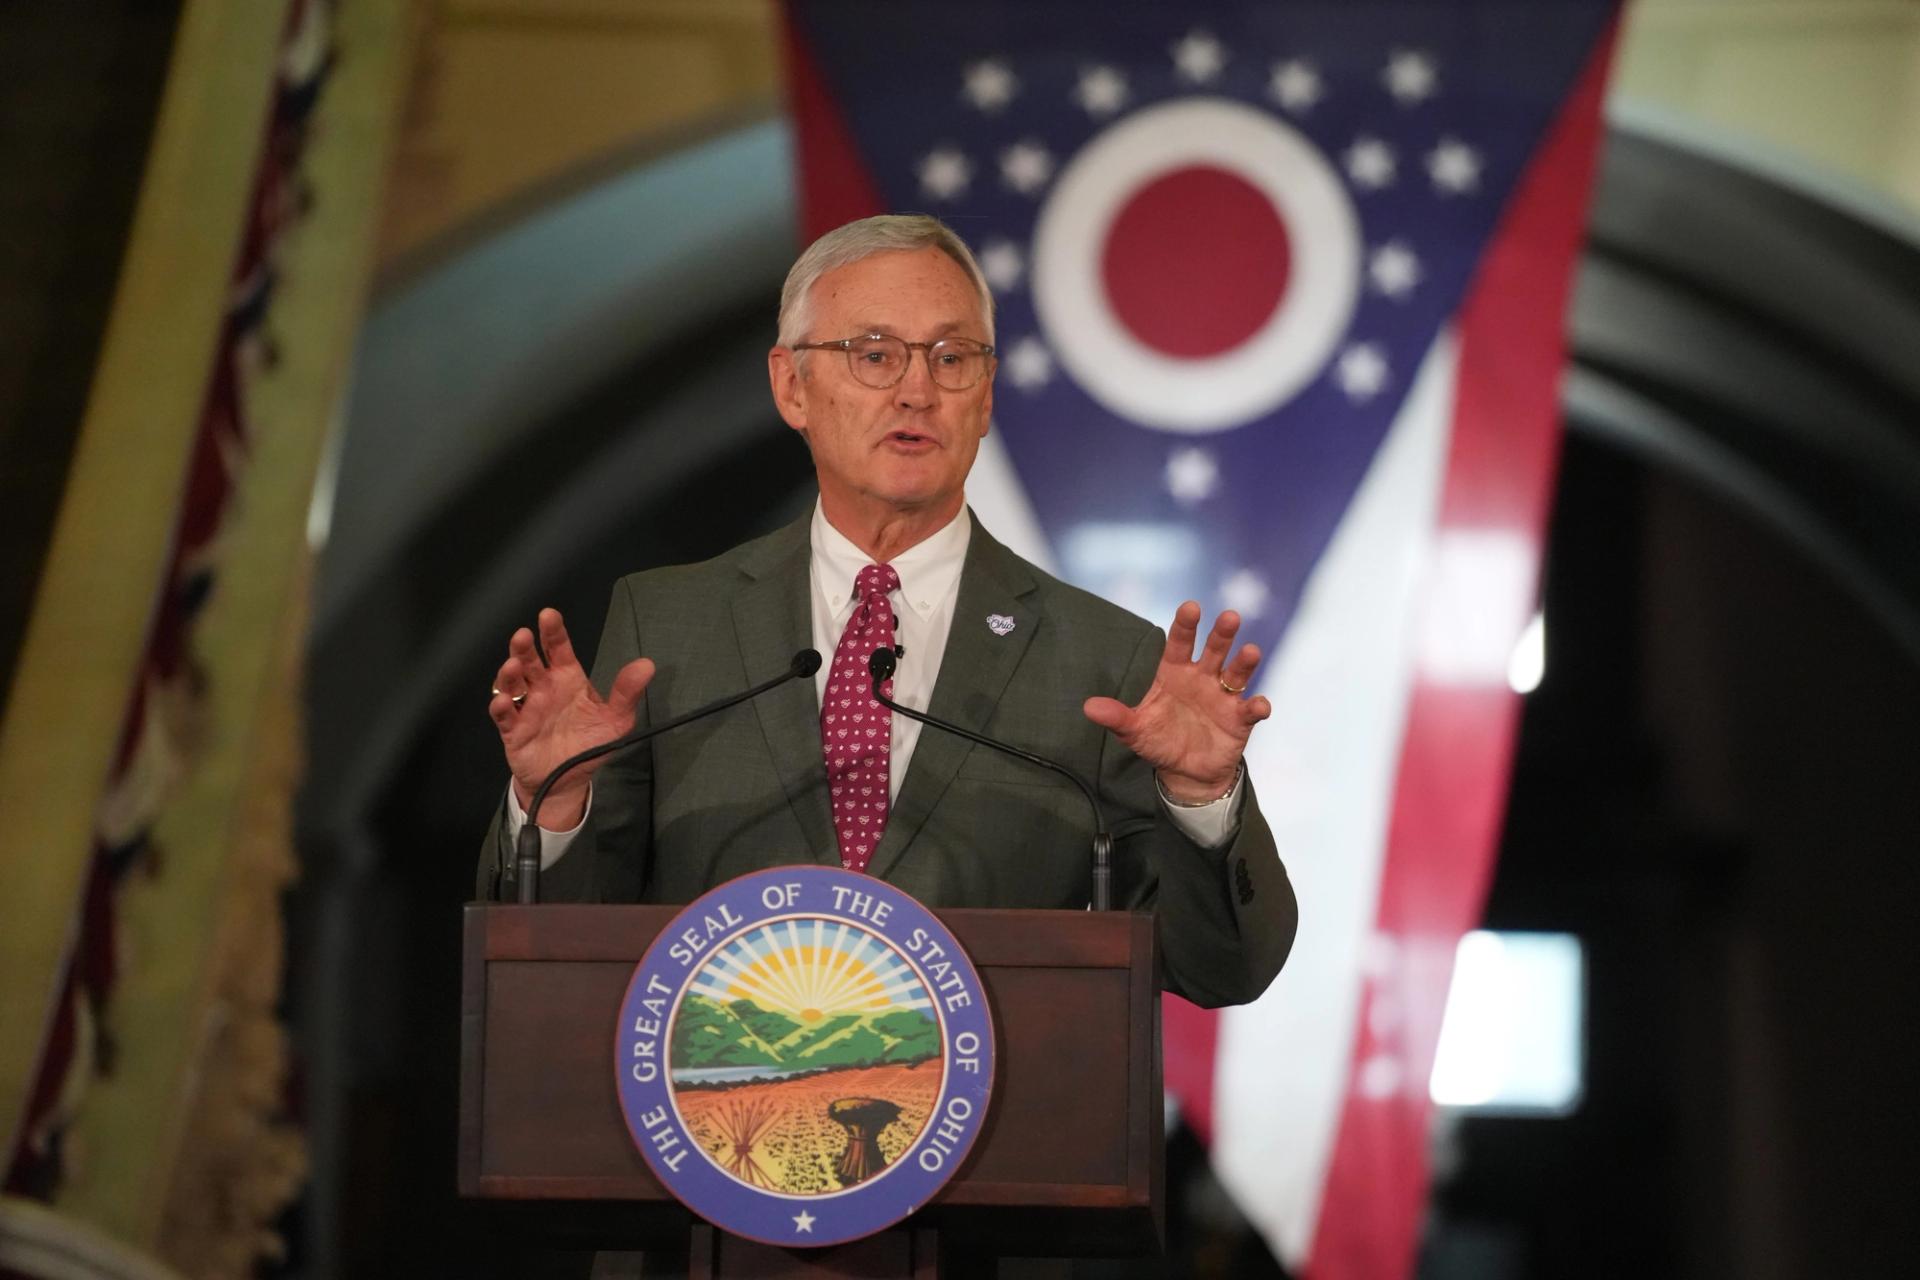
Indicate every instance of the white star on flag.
{"type": "Point", "coordinates": [945, 173]}
{"type": "Point", "coordinates": [1295, 85]}
{"type": "Point", "coordinates": [1192, 475]}
{"type": "Point", "coordinates": [1410, 76]}
{"type": "Point", "coordinates": [1101, 91]}
{"type": "Point", "coordinates": [1384, 1014]}
{"type": "Point", "coordinates": [1246, 593]}
{"type": "Point", "coordinates": [803, 1221]}
{"type": "Point", "coordinates": [1454, 167]}
{"type": "Point", "coordinates": [1393, 269]}
{"type": "Point", "coordinates": [990, 85]}
{"type": "Point", "coordinates": [1361, 371]}
{"type": "Point", "coordinates": [1003, 264]}
{"type": "Point", "coordinates": [1026, 166]}
{"type": "Point", "coordinates": [1198, 57]}
{"type": "Point", "coordinates": [1380, 956]}
{"type": "Point", "coordinates": [1029, 364]}
{"type": "Point", "coordinates": [1380, 1077]}
{"type": "Point", "coordinates": [1370, 163]}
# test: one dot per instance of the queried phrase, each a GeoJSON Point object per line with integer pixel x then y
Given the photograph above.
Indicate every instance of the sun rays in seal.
{"type": "Point", "coordinates": [811, 971]}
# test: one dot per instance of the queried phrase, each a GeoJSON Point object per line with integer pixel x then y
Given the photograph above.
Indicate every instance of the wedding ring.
{"type": "Point", "coordinates": [517, 698]}
{"type": "Point", "coordinates": [1230, 689]}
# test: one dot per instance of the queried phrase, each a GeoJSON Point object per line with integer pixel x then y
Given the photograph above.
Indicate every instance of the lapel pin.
{"type": "Point", "coordinates": [999, 623]}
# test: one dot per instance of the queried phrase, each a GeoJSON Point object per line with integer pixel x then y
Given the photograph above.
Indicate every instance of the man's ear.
{"type": "Point", "coordinates": [789, 387]}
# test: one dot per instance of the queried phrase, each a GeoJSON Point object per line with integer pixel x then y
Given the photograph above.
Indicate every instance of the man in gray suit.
{"type": "Point", "coordinates": [885, 366]}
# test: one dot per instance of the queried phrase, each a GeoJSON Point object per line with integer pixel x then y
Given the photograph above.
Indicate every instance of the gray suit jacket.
{"type": "Point", "coordinates": [746, 789]}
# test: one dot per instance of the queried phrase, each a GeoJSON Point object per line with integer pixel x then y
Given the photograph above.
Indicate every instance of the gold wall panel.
{"type": "Point", "coordinates": [510, 98]}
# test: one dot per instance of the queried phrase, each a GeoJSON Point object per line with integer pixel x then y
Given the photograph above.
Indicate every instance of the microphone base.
{"type": "Point", "coordinates": [1103, 871]}
{"type": "Point", "coordinates": [526, 864]}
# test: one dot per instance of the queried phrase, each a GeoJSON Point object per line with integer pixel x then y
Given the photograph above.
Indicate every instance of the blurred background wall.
{"type": "Point", "coordinates": [514, 349]}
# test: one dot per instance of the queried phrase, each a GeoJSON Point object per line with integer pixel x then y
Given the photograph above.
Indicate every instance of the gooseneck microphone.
{"type": "Point", "coordinates": [880, 666]}
{"type": "Point", "coordinates": [527, 851]}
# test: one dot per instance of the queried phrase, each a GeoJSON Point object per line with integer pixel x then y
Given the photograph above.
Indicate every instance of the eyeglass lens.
{"type": "Point", "coordinates": [881, 361]}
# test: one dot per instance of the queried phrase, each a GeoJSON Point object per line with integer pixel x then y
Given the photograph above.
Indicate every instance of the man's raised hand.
{"type": "Point", "coordinates": [1193, 724]}
{"type": "Point", "coordinates": [549, 711]}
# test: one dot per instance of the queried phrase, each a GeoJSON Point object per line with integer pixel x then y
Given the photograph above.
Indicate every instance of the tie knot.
{"type": "Point", "coordinates": [876, 580]}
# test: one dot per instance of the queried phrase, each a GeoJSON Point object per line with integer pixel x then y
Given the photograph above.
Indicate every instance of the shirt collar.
{"type": "Point", "coordinates": [929, 569]}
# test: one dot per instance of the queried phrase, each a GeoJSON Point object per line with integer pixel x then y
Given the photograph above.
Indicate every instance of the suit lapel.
{"type": "Point", "coordinates": [974, 671]}
{"type": "Point", "coordinates": [772, 617]}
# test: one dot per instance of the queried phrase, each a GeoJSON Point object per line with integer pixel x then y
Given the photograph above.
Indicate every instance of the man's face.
{"type": "Point", "coordinates": [907, 447]}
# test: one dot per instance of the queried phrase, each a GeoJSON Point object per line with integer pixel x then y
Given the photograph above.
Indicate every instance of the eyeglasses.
{"type": "Point", "coordinates": [879, 360]}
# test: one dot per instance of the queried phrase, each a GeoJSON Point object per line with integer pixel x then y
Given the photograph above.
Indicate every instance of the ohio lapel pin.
{"type": "Point", "coordinates": [999, 623]}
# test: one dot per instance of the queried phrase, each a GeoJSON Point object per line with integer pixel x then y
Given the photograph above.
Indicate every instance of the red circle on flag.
{"type": "Point", "coordinates": [1196, 261]}
{"type": "Point", "coordinates": [1279, 333]}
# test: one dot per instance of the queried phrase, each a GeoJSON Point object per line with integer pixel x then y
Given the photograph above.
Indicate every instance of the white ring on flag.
{"type": "Point", "coordinates": [1212, 393]}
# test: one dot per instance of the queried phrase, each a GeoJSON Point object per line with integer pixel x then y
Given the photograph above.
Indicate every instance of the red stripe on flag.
{"type": "Point", "coordinates": [835, 184]}
{"type": "Point", "coordinates": [1189, 1036]}
{"type": "Point", "coordinates": [1451, 787]}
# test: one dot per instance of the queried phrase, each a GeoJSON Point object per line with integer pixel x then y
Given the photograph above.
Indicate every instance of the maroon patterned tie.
{"type": "Point", "coordinates": [855, 731]}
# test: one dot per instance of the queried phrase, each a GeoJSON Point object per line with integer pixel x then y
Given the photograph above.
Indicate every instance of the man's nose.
{"type": "Point", "coordinates": [916, 388]}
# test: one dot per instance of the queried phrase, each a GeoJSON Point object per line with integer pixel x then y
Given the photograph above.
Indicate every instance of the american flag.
{"type": "Point", "coordinates": [1280, 293]}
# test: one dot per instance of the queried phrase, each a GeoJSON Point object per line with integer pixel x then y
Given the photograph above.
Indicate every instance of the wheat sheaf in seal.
{"type": "Point", "coordinates": [804, 1056]}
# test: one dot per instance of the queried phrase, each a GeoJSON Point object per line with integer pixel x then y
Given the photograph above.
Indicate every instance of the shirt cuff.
{"type": "Point", "coordinates": [1212, 825]}
{"type": "Point", "coordinates": [552, 843]}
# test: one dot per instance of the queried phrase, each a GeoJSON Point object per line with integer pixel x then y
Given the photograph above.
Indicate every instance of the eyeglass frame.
{"type": "Point", "coordinates": [845, 347]}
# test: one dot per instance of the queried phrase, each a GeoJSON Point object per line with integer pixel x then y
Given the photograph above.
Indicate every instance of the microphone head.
{"type": "Point", "coordinates": [805, 662]}
{"type": "Point", "coordinates": [880, 665]}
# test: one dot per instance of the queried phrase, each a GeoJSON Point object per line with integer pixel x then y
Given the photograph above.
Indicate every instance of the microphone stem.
{"type": "Point", "coordinates": [527, 849]}
{"type": "Point", "coordinates": [1102, 838]}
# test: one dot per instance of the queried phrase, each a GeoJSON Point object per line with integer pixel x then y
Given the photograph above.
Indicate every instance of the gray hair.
{"type": "Point", "coordinates": [884, 233]}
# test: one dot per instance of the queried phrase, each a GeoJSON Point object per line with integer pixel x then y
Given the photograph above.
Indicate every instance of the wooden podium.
{"type": "Point", "coordinates": [1070, 1162]}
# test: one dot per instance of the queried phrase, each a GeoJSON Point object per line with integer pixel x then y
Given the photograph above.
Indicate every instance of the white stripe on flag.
{"type": "Point", "coordinates": [1000, 501]}
{"type": "Point", "coordinates": [1324, 768]}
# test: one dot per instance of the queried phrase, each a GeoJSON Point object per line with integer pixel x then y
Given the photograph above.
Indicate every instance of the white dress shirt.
{"type": "Point", "coordinates": [923, 615]}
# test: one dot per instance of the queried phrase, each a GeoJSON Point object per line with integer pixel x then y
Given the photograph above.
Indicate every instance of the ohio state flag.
{"type": "Point", "coordinates": [1281, 293]}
